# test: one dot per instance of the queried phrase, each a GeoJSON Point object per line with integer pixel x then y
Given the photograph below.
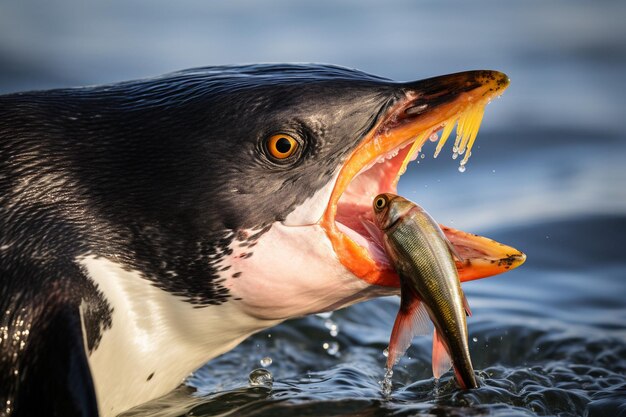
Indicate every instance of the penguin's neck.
{"type": "Point", "coordinates": [156, 339]}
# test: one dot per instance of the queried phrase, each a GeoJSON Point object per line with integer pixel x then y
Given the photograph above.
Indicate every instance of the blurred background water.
{"type": "Point", "coordinates": [547, 176]}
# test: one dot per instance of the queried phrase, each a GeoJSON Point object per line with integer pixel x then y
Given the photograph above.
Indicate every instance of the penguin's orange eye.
{"type": "Point", "coordinates": [281, 146]}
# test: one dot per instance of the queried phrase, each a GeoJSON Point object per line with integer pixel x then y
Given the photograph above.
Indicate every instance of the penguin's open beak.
{"type": "Point", "coordinates": [377, 163]}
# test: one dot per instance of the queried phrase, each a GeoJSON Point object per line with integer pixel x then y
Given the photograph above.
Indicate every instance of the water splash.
{"type": "Point", "coordinates": [261, 377]}
{"type": "Point", "coordinates": [386, 385]}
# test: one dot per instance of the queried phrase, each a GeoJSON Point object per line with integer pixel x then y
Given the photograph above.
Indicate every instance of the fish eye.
{"type": "Point", "coordinates": [281, 146]}
{"type": "Point", "coordinates": [380, 202]}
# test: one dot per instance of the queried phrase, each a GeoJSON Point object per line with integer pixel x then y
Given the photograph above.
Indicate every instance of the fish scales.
{"type": "Point", "coordinates": [430, 261]}
{"type": "Point", "coordinates": [423, 258]}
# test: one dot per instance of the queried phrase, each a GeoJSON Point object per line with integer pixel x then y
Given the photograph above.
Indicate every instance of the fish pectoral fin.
{"type": "Point", "coordinates": [466, 306]}
{"type": "Point", "coordinates": [412, 319]}
{"type": "Point", "coordinates": [441, 359]}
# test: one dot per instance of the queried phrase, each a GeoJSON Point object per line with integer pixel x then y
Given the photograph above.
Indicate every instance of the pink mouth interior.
{"type": "Point", "coordinates": [355, 204]}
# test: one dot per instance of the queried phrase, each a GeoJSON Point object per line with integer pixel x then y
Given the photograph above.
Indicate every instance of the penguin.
{"type": "Point", "coordinates": [151, 225]}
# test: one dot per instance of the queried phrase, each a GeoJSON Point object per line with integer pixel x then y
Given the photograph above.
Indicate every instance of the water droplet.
{"type": "Point", "coordinates": [493, 171]}
{"type": "Point", "coordinates": [455, 155]}
{"type": "Point", "coordinates": [261, 378]}
{"type": "Point", "coordinates": [422, 156]}
{"type": "Point", "coordinates": [474, 339]}
{"type": "Point", "coordinates": [325, 315]}
{"type": "Point", "coordinates": [386, 352]}
{"type": "Point", "coordinates": [461, 168]}
{"type": "Point", "coordinates": [332, 327]}
{"type": "Point", "coordinates": [266, 361]}
{"type": "Point", "coordinates": [332, 348]}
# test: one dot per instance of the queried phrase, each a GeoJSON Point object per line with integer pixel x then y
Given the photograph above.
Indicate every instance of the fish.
{"type": "Point", "coordinates": [430, 287]}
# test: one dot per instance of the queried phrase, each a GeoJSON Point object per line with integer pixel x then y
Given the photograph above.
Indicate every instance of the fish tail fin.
{"type": "Point", "coordinates": [412, 319]}
{"type": "Point", "coordinates": [464, 373]}
{"type": "Point", "coordinates": [459, 379]}
{"type": "Point", "coordinates": [467, 381]}
{"type": "Point", "coordinates": [442, 363]}
{"type": "Point", "coordinates": [441, 358]}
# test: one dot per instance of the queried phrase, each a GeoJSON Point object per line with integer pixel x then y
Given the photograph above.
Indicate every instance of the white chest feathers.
{"type": "Point", "coordinates": [156, 339]}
